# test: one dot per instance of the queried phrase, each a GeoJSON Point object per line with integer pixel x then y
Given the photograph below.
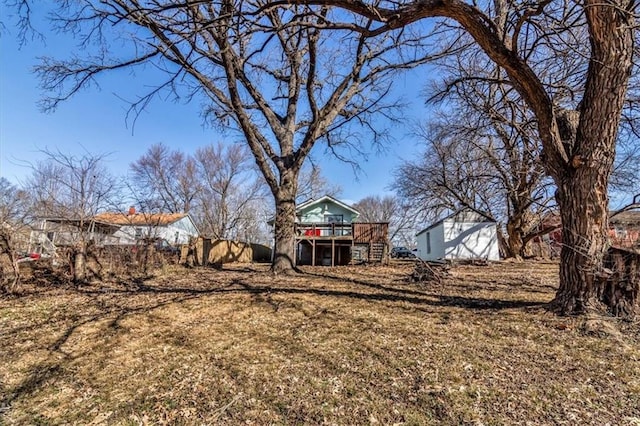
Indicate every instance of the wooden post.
{"type": "Point", "coordinates": [333, 251]}
{"type": "Point", "coordinates": [353, 241]}
{"type": "Point", "coordinates": [313, 251]}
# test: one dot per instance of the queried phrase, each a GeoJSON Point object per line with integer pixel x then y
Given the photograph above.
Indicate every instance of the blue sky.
{"type": "Point", "coordinates": [96, 120]}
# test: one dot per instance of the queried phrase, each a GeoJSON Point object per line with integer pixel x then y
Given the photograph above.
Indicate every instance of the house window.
{"type": "Point", "coordinates": [334, 218]}
{"type": "Point", "coordinates": [138, 233]}
{"type": "Point", "coordinates": [177, 237]}
{"type": "Point", "coordinates": [428, 242]}
{"type": "Point", "coordinates": [621, 233]}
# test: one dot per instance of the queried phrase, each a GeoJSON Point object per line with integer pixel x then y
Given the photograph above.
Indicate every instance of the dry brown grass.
{"type": "Point", "coordinates": [334, 346]}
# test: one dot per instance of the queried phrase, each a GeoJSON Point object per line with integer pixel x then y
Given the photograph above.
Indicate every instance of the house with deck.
{"type": "Point", "coordinates": [328, 233]}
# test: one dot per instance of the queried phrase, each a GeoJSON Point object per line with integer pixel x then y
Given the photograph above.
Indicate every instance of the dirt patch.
{"type": "Point", "coordinates": [345, 345]}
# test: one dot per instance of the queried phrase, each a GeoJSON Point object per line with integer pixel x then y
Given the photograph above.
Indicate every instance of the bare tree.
{"type": "Point", "coordinates": [578, 134]}
{"type": "Point", "coordinates": [72, 189]}
{"type": "Point", "coordinates": [164, 179]}
{"type": "Point", "coordinates": [272, 74]}
{"type": "Point", "coordinates": [13, 202]}
{"type": "Point", "coordinates": [13, 222]}
{"type": "Point", "coordinates": [230, 192]}
{"type": "Point", "coordinates": [226, 194]}
{"type": "Point", "coordinates": [475, 160]}
{"type": "Point", "coordinates": [625, 177]}
{"type": "Point", "coordinates": [313, 184]}
{"type": "Point", "coordinates": [390, 209]}
{"type": "Point", "coordinates": [494, 142]}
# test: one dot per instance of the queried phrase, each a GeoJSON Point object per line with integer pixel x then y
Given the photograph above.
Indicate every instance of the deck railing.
{"type": "Point", "coordinates": [320, 230]}
{"type": "Point", "coordinates": [360, 232]}
{"type": "Point", "coordinates": [370, 232]}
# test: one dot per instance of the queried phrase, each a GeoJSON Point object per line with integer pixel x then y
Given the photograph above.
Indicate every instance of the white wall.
{"type": "Point", "coordinates": [183, 227]}
{"type": "Point", "coordinates": [436, 240]}
{"type": "Point", "coordinates": [470, 240]}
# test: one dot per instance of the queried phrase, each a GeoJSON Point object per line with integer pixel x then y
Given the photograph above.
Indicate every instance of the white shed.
{"type": "Point", "coordinates": [463, 235]}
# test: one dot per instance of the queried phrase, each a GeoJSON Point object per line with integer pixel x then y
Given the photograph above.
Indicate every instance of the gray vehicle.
{"type": "Point", "coordinates": [402, 252]}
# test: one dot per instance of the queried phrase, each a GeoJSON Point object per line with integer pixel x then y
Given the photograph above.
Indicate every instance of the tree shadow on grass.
{"type": "Point", "coordinates": [416, 296]}
{"type": "Point", "coordinates": [56, 360]}
{"type": "Point", "coordinates": [427, 299]}
{"type": "Point", "coordinates": [54, 364]}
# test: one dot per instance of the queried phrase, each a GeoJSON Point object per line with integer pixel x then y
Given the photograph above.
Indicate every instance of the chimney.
{"type": "Point", "coordinates": [132, 211]}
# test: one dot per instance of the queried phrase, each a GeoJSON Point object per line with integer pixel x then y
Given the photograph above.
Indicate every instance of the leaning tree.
{"type": "Point", "coordinates": [578, 135]}
{"type": "Point", "coordinates": [270, 73]}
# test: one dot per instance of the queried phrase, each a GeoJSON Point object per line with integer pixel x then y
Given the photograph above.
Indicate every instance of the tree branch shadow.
{"type": "Point", "coordinates": [54, 363]}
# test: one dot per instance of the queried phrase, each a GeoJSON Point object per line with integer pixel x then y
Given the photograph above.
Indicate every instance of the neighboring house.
{"type": "Point", "coordinates": [174, 228]}
{"type": "Point", "coordinates": [327, 234]}
{"type": "Point", "coordinates": [460, 236]}
{"type": "Point", "coordinates": [51, 232]}
{"type": "Point", "coordinates": [624, 229]}
{"type": "Point", "coordinates": [111, 229]}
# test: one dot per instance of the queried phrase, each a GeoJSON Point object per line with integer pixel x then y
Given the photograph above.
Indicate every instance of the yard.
{"type": "Point", "coordinates": [345, 345]}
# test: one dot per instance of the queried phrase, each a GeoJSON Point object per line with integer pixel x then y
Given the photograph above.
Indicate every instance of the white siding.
{"type": "Point", "coordinates": [453, 239]}
{"type": "Point", "coordinates": [470, 240]}
{"type": "Point", "coordinates": [126, 235]}
{"type": "Point", "coordinates": [436, 243]}
{"type": "Point", "coordinates": [183, 229]}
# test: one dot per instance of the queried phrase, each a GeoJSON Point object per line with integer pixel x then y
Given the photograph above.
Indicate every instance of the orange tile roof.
{"type": "Point", "coordinates": [141, 219]}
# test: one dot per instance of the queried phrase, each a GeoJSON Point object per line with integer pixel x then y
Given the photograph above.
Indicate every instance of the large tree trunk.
{"type": "Point", "coordinates": [516, 244]}
{"type": "Point", "coordinates": [517, 230]}
{"type": "Point", "coordinates": [583, 201]}
{"type": "Point", "coordinates": [284, 248]}
{"type": "Point", "coordinates": [583, 184]}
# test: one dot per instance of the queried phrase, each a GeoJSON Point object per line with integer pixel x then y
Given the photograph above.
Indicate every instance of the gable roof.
{"type": "Point", "coordinates": [140, 219]}
{"type": "Point", "coordinates": [454, 214]}
{"type": "Point", "coordinates": [324, 199]}
{"type": "Point", "coordinates": [629, 217]}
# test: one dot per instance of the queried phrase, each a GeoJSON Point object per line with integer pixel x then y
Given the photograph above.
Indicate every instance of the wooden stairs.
{"type": "Point", "coordinates": [377, 252]}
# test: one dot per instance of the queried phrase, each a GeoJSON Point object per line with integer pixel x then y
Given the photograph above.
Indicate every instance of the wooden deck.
{"type": "Point", "coordinates": [333, 244]}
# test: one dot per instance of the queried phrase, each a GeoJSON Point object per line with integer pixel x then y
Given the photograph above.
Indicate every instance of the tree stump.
{"type": "Point", "coordinates": [622, 284]}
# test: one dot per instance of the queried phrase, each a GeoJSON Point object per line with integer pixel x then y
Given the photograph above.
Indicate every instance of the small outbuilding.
{"type": "Point", "coordinates": [463, 235]}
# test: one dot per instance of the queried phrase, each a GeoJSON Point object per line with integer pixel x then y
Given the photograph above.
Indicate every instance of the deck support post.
{"type": "Point", "coordinates": [333, 252]}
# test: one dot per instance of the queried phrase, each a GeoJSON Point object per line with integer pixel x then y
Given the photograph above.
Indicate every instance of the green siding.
{"type": "Point", "coordinates": [316, 213]}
